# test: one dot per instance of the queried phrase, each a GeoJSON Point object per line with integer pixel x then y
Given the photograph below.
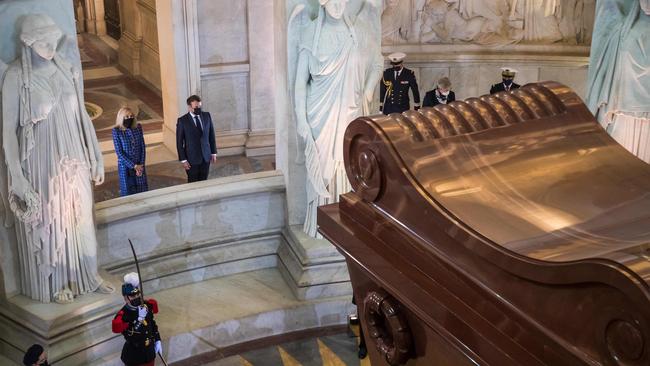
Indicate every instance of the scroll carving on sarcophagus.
{"type": "Point", "coordinates": [507, 229]}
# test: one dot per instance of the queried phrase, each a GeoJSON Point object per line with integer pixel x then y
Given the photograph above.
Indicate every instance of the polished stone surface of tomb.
{"type": "Point", "coordinates": [503, 230]}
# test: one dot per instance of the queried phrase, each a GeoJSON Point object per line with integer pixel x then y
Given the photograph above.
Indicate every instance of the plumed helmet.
{"type": "Point", "coordinates": [131, 285]}
{"type": "Point", "coordinates": [39, 26]}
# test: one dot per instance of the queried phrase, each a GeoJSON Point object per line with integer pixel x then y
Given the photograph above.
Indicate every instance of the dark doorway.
{"type": "Point", "coordinates": [112, 17]}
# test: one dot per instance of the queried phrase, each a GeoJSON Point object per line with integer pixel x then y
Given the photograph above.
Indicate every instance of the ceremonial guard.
{"type": "Point", "coordinates": [394, 88]}
{"type": "Point", "coordinates": [136, 323]}
{"type": "Point", "coordinates": [507, 84]}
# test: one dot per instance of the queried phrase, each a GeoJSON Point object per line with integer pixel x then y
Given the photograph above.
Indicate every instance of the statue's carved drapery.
{"type": "Point", "coordinates": [52, 154]}
{"type": "Point", "coordinates": [487, 22]}
{"type": "Point", "coordinates": [338, 65]}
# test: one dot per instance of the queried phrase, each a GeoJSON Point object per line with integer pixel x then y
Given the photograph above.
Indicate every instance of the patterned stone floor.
{"type": "Point", "coordinates": [108, 88]}
{"type": "Point", "coordinates": [334, 350]}
{"type": "Point", "coordinates": [171, 173]}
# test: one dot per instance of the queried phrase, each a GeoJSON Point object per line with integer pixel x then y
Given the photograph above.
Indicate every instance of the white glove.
{"type": "Point", "coordinates": [142, 313]}
{"type": "Point", "coordinates": [158, 347]}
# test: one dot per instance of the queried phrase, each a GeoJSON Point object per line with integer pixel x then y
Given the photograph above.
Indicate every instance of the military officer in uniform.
{"type": "Point", "coordinates": [507, 84]}
{"type": "Point", "coordinates": [136, 323]}
{"type": "Point", "coordinates": [395, 85]}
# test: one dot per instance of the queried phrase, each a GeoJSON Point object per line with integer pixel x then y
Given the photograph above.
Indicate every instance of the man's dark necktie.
{"type": "Point", "coordinates": [198, 124]}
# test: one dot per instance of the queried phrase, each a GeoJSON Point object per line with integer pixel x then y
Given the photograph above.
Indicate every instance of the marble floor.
{"type": "Point", "coordinates": [249, 318]}
{"type": "Point", "coordinates": [107, 89]}
{"type": "Point", "coordinates": [333, 350]}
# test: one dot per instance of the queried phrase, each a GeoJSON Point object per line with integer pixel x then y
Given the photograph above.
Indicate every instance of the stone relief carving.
{"type": "Point", "coordinates": [487, 22]}
{"type": "Point", "coordinates": [51, 154]}
{"type": "Point", "coordinates": [337, 65]}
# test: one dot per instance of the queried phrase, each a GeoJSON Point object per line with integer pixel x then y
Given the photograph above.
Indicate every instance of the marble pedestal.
{"type": "Point", "coordinates": [72, 333]}
{"type": "Point", "coordinates": [313, 268]}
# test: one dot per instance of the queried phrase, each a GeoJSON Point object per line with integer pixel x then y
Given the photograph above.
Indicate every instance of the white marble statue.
{"type": "Point", "coordinates": [619, 73]}
{"type": "Point", "coordinates": [52, 154]}
{"type": "Point", "coordinates": [338, 67]}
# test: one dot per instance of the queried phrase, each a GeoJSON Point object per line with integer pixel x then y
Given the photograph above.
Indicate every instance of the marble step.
{"type": "Point", "coordinates": [206, 316]}
{"type": "Point", "coordinates": [313, 268]}
{"type": "Point", "coordinates": [7, 362]}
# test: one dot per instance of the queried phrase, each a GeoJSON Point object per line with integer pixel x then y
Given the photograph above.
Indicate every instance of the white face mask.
{"type": "Point", "coordinates": [445, 93]}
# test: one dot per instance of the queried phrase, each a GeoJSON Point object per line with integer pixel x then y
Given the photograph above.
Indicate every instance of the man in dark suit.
{"type": "Point", "coordinates": [395, 85]}
{"type": "Point", "coordinates": [507, 84]}
{"type": "Point", "coordinates": [439, 95]}
{"type": "Point", "coordinates": [195, 141]}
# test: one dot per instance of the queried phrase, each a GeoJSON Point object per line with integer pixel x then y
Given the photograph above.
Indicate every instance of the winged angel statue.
{"type": "Point", "coordinates": [337, 61]}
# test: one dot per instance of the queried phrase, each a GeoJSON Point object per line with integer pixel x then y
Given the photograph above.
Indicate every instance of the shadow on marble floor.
{"type": "Point", "coordinates": [171, 173]}
{"type": "Point", "coordinates": [338, 349]}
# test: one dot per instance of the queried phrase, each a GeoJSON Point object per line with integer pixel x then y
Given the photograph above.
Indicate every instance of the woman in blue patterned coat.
{"type": "Point", "coordinates": [128, 139]}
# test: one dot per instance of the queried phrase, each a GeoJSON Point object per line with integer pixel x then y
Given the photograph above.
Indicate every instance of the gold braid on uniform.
{"type": "Point", "coordinates": [389, 87]}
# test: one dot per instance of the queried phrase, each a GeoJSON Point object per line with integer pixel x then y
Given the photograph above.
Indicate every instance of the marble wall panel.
{"type": "Point", "coordinates": [575, 78]}
{"type": "Point", "coordinates": [175, 220]}
{"type": "Point", "coordinates": [465, 82]}
{"type": "Point", "coordinates": [149, 27]}
{"type": "Point", "coordinates": [429, 77]}
{"type": "Point", "coordinates": [150, 66]}
{"type": "Point", "coordinates": [226, 97]}
{"type": "Point", "coordinates": [231, 216]}
{"type": "Point", "coordinates": [129, 19]}
{"type": "Point", "coordinates": [223, 31]}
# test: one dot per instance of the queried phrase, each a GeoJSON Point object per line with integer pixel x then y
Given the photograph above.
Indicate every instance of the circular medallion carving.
{"type": "Point", "coordinates": [367, 175]}
{"type": "Point", "coordinates": [624, 340]}
{"type": "Point", "coordinates": [387, 327]}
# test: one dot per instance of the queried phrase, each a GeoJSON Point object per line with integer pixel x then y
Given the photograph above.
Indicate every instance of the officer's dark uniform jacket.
{"type": "Point", "coordinates": [502, 87]}
{"type": "Point", "coordinates": [394, 94]}
{"type": "Point", "coordinates": [141, 338]}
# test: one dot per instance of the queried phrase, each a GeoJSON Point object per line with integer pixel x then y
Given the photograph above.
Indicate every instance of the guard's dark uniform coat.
{"type": "Point", "coordinates": [501, 87]}
{"type": "Point", "coordinates": [141, 338]}
{"type": "Point", "coordinates": [395, 93]}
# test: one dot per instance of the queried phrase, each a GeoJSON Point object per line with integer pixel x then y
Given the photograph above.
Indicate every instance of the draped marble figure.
{"type": "Point", "coordinates": [618, 82]}
{"type": "Point", "coordinates": [52, 154]}
{"type": "Point", "coordinates": [487, 22]}
{"type": "Point", "coordinates": [338, 66]}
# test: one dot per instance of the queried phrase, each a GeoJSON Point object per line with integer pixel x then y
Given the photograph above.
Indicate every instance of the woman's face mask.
{"type": "Point", "coordinates": [128, 121]}
{"type": "Point", "coordinates": [507, 81]}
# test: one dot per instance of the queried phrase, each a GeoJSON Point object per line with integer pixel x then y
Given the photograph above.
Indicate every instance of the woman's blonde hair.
{"type": "Point", "coordinates": [119, 120]}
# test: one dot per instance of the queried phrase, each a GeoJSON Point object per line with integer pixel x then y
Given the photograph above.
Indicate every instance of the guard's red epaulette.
{"type": "Point", "coordinates": [119, 325]}
{"type": "Point", "coordinates": [153, 305]}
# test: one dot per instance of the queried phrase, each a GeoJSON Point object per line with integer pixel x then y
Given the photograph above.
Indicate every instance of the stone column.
{"type": "Point", "coordinates": [95, 22]}
{"type": "Point", "coordinates": [262, 44]}
{"type": "Point", "coordinates": [177, 29]}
